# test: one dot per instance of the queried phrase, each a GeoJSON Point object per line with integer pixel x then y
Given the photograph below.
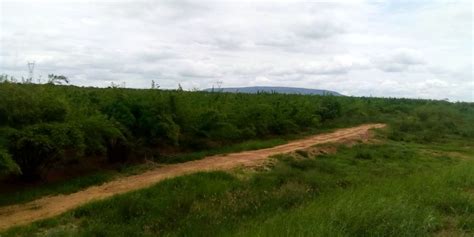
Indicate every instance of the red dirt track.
{"type": "Point", "coordinates": [51, 206]}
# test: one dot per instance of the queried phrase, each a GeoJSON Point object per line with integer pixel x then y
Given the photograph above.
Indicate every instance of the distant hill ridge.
{"type": "Point", "coordinates": [274, 89]}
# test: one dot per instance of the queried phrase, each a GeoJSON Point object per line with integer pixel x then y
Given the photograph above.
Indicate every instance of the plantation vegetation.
{"type": "Point", "coordinates": [417, 181]}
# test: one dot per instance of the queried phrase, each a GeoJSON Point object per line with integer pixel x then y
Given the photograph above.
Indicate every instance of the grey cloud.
{"type": "Point", "coordinates": [400, 60]}
{"type": "Point", "coordinates": [330, 66]}
{"type": "Point", "coordinates": [197, 69]}
{"type": "Point", "coordinates": [319, 28]}
{"type": "Point", "coordinates": [156, 55]}
{"type": "Point", "coordinates": [357, 48]}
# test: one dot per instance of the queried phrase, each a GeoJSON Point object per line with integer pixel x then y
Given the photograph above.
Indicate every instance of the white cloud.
{"type": "Point", "coordinates": [382, 48]}
{"type": "Point", "coordinates": [198, 69]}
{"type": "Point", "coordinates": [336, 65]}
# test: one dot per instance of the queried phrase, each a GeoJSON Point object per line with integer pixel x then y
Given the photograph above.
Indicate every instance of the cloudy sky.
{"type": "Point", "coordinates": [407, 48]}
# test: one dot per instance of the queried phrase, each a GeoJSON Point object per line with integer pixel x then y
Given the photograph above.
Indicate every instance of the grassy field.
{"type": "Point", "coordinates": [392, 188]}
{"type": "Point", "coordinates": [418, 180]}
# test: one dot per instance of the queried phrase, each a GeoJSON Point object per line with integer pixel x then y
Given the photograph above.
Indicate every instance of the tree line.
{"type": "Point", "coordinates": [43, 126]}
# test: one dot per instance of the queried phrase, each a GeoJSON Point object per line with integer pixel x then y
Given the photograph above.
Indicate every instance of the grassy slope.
{"type": "Point", "coordinates": [393, 189]}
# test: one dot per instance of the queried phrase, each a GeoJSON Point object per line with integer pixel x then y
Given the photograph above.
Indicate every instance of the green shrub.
{"type": "Point", "coordinates": [363, 155]}
{"type": "Point", "coordinates": [7, 165]}
{"type": "Point", "coordinates": [37, 148]}
{"type": "Point", "coordinates": [120, 111]}
{"type": "Point", "coordinates": [98, 133]}
{"type": "Point", "coordinates": [225, 131]}
{"type": "Point", "coordinates": [33, 153]}
{"type": "Point", "coordinates": [330, 108]}
{"type": "Point", "coordinates": [168, 130]}
{"type": "Point", "coordinates": [104, 122]}
{"type": "Point", "coordinates": [284, 126]}
{"type": "Point", "coordinates": [52, 110]}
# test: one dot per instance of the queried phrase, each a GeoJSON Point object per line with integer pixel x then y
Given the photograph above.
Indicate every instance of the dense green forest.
{"type": "Point", "coordinates": [43, 127]}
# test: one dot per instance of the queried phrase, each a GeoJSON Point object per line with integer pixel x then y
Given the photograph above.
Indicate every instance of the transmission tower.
{"type": "Point", "coordinates": [219, 84]}
{"type": "Point", "coordinates": [31, 70]}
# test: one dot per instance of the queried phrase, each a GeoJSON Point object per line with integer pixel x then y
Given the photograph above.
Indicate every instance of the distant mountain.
{"type": "Point", "coordinates": [274, 89]}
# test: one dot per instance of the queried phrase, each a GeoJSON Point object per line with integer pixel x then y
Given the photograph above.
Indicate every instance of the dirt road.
{"type": "Point", "coordinates": [54, 205]}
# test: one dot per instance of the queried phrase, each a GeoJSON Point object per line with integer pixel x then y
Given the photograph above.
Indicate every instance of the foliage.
{"type": "Point", "coordinates": [329, 109]}
{"type": "Point", "coordinates": [7, 165]}
{"type": "Point", "coordinates": [119, 123]}
{"type": "Point", "coordinates": [57, 79]}
{"type": "Point", "coordinates": [77, 183]}
{"type": "Point", "coordinates": [402, 190]}
{"type": "Point", "coordinates": [430, 123]}
{"type": "Point", "coordinates": [37, 147]}
{"type": "Point", "coordinates": [420, 183]}
{"type": "Point", "coordinates": [98, 132]}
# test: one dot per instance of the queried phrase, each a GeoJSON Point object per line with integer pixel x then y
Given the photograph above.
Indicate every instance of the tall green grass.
{"type": "Point", "coordinates": [416, 205]}
{"type": "Point", "coordinates": [394, 189]}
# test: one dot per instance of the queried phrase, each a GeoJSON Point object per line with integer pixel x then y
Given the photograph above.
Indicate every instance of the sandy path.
{"type": "Point", "coordinates": [54, 205]}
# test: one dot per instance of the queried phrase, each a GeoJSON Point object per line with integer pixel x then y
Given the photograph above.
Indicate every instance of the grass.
{"type": "Point", "coordinates": [392, 189]}
{"type": "Point", "coordinates": [81, 182]}
{"type": "Point", "coordinates": [417, 205]}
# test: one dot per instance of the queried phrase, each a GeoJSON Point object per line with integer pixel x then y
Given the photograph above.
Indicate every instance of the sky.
{"type": "Point", "coordinates": [386, 48]}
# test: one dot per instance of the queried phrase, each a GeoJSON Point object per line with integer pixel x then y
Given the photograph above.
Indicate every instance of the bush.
{"type": "Point", "coordinates": [329, 108]}
{"type": "Point", "coordinates": [168, 130]}
{"type": "Point", "coordinates": [363, 155]}
{"type": "Point", "coordinates": [120, 111]}
{"type": "Point", "coordinates": [284, 126]}
{"type": "Point", "coordinates": [7, 165]}
{"type": "Point", "coordinates": [52, 110]}
{"type": "Point", "coordinates": [116, 122]}
{"type": "Point", "coordinates": [37, 148]}
{"type": "Point", "coordinates": [225, 131]}
{"type": "Point", "coordinates": [33, 153]}
{"type": "Point", "coordinates": [99, 132]}
{"type": "Point", "coordinates": [427, 124]}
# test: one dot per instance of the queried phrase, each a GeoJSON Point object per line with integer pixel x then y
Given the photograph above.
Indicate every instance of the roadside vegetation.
{"type": "Point", "coordinates": [49, 127]}
{"type": "Point", "coordinates": [14, 194]}
{"type": "Point", "coordinates": [46, 128]}
{"type": "Point", "coordinates": [417, 180]}
{"type": "Point", "coordinates": [390, 188]}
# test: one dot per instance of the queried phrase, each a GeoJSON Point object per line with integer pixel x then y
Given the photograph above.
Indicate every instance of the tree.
{"type": "Point", "coordinates": [154, 85]}
{"type": "Point", "coordinates": [98, 133]}
{"type": "Point", "coordinates": [33, 152]}
{"type": "Point", "coordinates": [329, 109]}
{"type": "Point", "coordinates": [38, 147]}
{"type": "Point", "coordinates": [57, 79]}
